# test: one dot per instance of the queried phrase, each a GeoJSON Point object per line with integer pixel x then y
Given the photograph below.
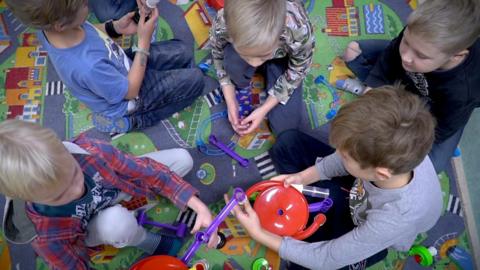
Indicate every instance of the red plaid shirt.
{"type": "Point", "coordinates": [61, 240]}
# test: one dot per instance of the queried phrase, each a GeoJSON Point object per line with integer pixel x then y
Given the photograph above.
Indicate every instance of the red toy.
{"type": "Point", "coordinates": [283, 211]}
{"type": "Point", "coordinates": [216, 4]}
{"type": "Point", "coordinates": [160, 262]}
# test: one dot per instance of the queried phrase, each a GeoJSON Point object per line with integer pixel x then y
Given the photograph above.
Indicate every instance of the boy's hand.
{"type": "Point", "coordinates": [126, 25]}
{"type": "Point", "coordinates": [204, 219]}
{"type": "Point", "coordinates": [232, 108]}
{"type": "Point", "coordinates": [289, 179]}
{"type": "Point", "coordinates": [247, 217]}
{"type": "Point", "coordinates": [145, 28]}
{"type": "Point", "coordinates": [252, 121]}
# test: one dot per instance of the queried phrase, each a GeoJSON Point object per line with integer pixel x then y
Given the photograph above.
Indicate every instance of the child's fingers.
{"type": "Point", "coordinates": [247, 207]}
{"type": "Point", "coordinates": [246, 121]}
{"type": "Point", "coordinates": [236, 209]}
{"type": "Point", "coordinates": [197, 226]}
{"type": "Point", "coordinates": [154, 15]}
{"type": "Point", "coordinates": [130, 14]}
{"type": "Point", "coordinates": [279, 178]}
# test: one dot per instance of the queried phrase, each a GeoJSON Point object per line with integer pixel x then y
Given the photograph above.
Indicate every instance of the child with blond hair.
{"type": "Point", "coordinates": [275, 36]}
{"type": "Point", "coordinates": [437, 56]}
{"type": "Point", "coordinates": [72, 190]}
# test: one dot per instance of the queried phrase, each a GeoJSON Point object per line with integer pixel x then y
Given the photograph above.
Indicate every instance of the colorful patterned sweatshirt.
{"type": "Point", "coordinates": [296, 42]}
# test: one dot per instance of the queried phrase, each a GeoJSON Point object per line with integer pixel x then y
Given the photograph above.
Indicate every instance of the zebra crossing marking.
{"type": "Point", "coordinates": [213, 98]}
{"type": "Point", "coordinates": [454, 205]}
{"type": "Point", "coordinates": [55, 88]}
{"type": "Point", "coordinates": [265, 165]}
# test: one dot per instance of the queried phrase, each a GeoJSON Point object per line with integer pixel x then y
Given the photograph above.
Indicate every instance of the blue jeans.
{"type": "Point", "coordinates": [281, 117]}
{"type": "Point", "coordinates": [170, 83]}
{"type": "Point", "coordinates": [361, 66]}
{"type": "Point", "coordinates": [105, 10]}
{"type": "Point", "coordinates": [295, 151]}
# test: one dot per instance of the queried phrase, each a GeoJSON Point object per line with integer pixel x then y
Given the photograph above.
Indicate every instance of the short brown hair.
{"type": "Point", "coordinates": [452, 25]}
{"type": "Point", "coordinates": [43, 14]}
{"type": "Point", "coordinates": [30, 159]}
{"type": "Point", "coordinates": [255, 23]}
{"type": "Point", "coordinates": [387, 127]}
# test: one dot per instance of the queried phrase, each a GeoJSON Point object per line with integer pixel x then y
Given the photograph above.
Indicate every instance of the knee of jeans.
{"type": "Point", "coordinates": [183, 51]}
{"type": "Point", "coordinates": [283, 140]}
{"type": "Point", "coordinates": [198, 81]}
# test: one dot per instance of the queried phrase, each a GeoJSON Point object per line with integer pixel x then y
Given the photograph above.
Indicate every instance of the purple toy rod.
{"type": "Point", "coordinates": [180, 229]}
{"type": "Point", "coordinates": [322, 206]}
{"type": "Point", "coordinates": [242, 161]}
{"type": "Point", "coordinates": [203, 237]}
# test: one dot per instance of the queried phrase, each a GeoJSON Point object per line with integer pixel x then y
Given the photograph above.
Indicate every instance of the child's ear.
{"type": "Point", "coordinates": [460, 55]}
{"type": "Point", "coordinates": [58, 27]}
{"type": "Point", "coordinates": [383, 173]}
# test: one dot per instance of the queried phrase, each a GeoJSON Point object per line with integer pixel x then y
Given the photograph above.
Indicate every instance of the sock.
{"type": "Point", "coordinates": [158, 244]}
{"type": "Point", "coordinates": [169, 245]}
{"type": "Point", "coordinates": [150, 243]}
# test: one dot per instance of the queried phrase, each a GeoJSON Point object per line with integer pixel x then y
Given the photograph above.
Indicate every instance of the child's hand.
{"type": "Point", "coordinates": [232, 108]}
{"type": "Point", "coordinates": [289, 179]}
{"type": "Point", "coordinates": [247, 217]}
{"type": "Point", "coordinates": [251, 122]}
{"type": "Point", "coordinates": [145, 28]}
{"type": "Point", "coordinates": [204, 219]}
{"type": "Point", "coordinates": [126, 25]}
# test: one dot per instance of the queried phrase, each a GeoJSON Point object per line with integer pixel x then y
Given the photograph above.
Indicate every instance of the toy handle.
{"type": "Point", "coordinates": [261, 186]}
{"type": "Point", "coordinates": [318, 221]}
{"type": "Point", "coordinates": [238, 197]}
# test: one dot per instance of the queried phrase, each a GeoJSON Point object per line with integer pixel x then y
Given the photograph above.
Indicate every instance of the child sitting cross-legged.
{"type": "Point", "coordinates": [275, 37]}
{"type": "Point", "coordinates": [383, 184]}
{"type": "Point", "coordinates": [126, 90]}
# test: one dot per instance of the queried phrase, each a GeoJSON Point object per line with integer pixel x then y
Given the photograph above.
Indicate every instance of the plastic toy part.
{"type": "Point", "coordinates": [242, 161]}
{"type": "Point", "coordinates": [216, 4]}
{"type": "Point", "coordinates": [159, 262]}
{"type": "Point", "coordinates": [180, 230]}
{"type": "Point", "coordinates": [423, 255]}
{"type": "Point", "coordinates": [283, 211]}
{"type": "Point", "coordinates": [312, 191]}
{"type": "Point", "coordinates": [261, 264]}
{"type": "Point", "coordinates": [170, 263]}
{"type": "Point", "coordinates": [202, 237]}
{"type": "Point", "coordinates": [200, 265]}
{"type": "Point", "coordinates": [322, 206]}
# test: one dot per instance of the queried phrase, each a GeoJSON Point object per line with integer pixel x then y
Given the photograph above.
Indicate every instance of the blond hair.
{"type": "Point", "coordinates": [44, 14]}
{"type": "Point", "coordinates": [387, 127]}
{"type": "Point", "coordinates": [450, 25]}
{"type": "Point", "coordinates": [255, 23]}
{"type": "Point", "coordinates": [29, 159]}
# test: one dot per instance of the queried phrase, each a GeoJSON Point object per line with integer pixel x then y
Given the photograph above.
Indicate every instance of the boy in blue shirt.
{"type": "Point", "coordinates": [125, 90]}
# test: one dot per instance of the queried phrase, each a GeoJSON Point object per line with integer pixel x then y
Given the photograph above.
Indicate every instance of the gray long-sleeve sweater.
{"type": "Point", "coordinates": [385, 218]}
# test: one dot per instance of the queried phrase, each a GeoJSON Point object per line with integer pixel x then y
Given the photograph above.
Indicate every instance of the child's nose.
{"type": "Point", "coordinates": [255, 62]}
{"type": "Point", "coordinates": [407, 57]}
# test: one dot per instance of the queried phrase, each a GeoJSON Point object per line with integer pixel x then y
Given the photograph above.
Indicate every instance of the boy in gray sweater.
{"type": "Point", "coordinates": [384, 186]}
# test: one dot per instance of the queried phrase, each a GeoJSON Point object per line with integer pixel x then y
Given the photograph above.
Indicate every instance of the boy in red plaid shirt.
{"type": "Point", "coordinates": [72, 191]}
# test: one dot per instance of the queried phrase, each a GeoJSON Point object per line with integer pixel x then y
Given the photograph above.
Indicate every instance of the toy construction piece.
{"type": "Point", "coordinates": [284, 210]}
{"type": "Point", "coordinates": [171, 263]}
{"type": "Point", "coordinates": [261, 264]}
{"type": "Point", "coordinates": [423, 255]}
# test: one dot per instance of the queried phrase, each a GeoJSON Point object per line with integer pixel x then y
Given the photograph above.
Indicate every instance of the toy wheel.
{"type": "Point", "coordinates": [223, 240]}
